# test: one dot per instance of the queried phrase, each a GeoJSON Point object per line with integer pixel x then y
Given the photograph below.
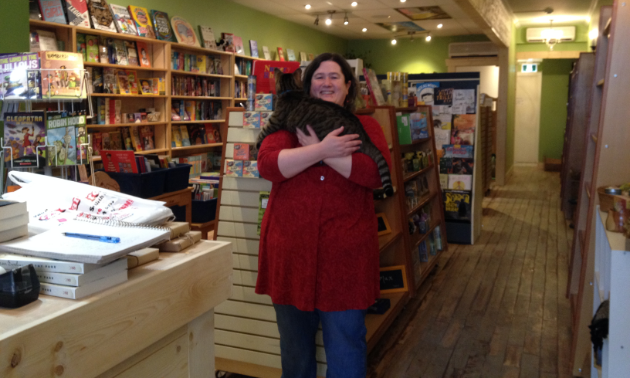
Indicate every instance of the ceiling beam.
{"type": "Point", "coordinates": [473, 9]}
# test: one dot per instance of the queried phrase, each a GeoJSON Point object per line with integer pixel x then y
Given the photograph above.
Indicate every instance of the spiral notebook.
{"type": "Point", "coordinates": [53, 244]}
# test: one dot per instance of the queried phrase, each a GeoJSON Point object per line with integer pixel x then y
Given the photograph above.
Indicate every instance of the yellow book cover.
{"type": "Point", "coordinates": [143, 21]}
{"type": "Point", "coordinates": [190, 109]}
{"type": "Point", "coordinates": [201, 63]}
{"type": "Point", "coordinates": [132, 76]}
{"type": "Point", "coordinates": [185, 138]}
{"type": "Point", "coordinates": [158, 86]}
{"type": "Point", "coordinates": [176, 138]}
{"type": "Point", "coordinates": [135, 139]}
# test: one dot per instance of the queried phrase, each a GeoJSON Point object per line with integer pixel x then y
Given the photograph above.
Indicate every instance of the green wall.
{"type": "Point", "coordinates": [14, 26]}
{"type": "Point", "coordinates": [511, 104]}
{"type": "Point", "coordinates": [418, 56]}
{"type": "Point", "coordinates": [553, 108]}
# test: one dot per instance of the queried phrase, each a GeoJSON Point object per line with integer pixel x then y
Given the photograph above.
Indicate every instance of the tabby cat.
{"type": "Point", "coordinates": [295, 109]}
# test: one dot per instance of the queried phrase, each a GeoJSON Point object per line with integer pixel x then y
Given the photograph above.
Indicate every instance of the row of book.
{"type": "Point", "coordinates": [204, 64]}
{"type": "Point", "coordinates": [124, 138]}
{"type": "Point", "coordinates": [188, 110]}
{"type": "Point", "coordinates": [202, 163]}
{"type": "Point", "coordinates": [25, 134]}
{"type": "Point", "coordinates": [124, 82]}
{"type": "Point", "coordinates": [243, 67]}
{"type": "Point", "coordinates": [195, 134]}
{"type": "Point", "coordinates": [195, 86]}
{"type": "Point", "coordinates": [109, 112]}
{"type": "Point", "coordinates": [102, 49]}
{"type": "Point", "coordinates": [128, 162]}
{"type": "Point", "coordinates": [54, 74]}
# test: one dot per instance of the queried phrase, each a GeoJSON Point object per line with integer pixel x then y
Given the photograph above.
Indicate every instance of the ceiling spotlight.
{"type": "Point", "coordinates": [393, 41]}
{"type": "Point", "coordinates": [428, 38]}
{"type": "Point", "coordinates": [364, 30]}
{"type": "Point", "coordinates": [345, 19]}
{"type": "Point", "coordinates": [354, 4]}
{"type": "Point", "coordinates": [329, 21]}
{"type": "Point", "coordinates": [307, 6]}
{"type": "Point", "coordinates": [402, 1]}
{"type": "Point", "coordinates": [317, 20]}
{"type": "Point", "coordinates": [440, 26]}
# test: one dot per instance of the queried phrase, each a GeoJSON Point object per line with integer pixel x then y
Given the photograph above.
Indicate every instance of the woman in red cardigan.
{"type": "Point", "coordinates": [319, 255]}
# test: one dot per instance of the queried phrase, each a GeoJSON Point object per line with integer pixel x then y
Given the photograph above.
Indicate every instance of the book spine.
{"type": "Point", "coordinates": [107, 122]}
{"type": "Point", "coordinates": [58, 278]}
{"type": "Point", "coordinates": [48, 266]}
{"type": "Point", "coordinates": [58, 291]}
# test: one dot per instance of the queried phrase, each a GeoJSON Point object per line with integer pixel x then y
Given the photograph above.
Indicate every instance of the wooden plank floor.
{"type": "Point", "coordinates": [495, 309]}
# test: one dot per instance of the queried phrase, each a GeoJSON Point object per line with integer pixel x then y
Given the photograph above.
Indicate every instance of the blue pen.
{"type": "Point", "coordinates": [105, 239]}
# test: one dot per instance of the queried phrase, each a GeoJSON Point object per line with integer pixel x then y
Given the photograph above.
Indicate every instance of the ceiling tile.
{"type": "Point", "coordinates": [381, 15]}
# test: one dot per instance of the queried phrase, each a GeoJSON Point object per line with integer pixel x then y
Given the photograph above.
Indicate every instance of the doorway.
{"type": "Point", "coordinates": [527, 118]}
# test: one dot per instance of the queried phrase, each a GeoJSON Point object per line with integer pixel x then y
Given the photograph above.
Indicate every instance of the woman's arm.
{"type": "Point", "coordinates": [335, 150]}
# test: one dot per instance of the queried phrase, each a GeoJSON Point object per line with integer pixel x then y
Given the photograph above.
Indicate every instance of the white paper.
{"type": "Point", "coordinates": [466, 98]}
{"type": "Point", "coordinates": [459, 109]}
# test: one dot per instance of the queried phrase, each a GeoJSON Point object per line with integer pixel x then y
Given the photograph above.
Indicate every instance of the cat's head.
{"type": "Point", "coordinates": [288, 82]}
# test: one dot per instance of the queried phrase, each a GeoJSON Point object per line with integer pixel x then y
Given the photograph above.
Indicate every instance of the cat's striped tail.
{"type": "Point", "coordinates": [383, 168]}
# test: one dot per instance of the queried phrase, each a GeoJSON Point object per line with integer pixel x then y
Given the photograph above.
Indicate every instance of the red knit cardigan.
{"type": "Point", "coordinates": [318, 242]}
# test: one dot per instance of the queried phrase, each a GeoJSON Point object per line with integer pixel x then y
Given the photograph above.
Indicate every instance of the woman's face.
{"type": "Point", "coordinates": [328, 83]}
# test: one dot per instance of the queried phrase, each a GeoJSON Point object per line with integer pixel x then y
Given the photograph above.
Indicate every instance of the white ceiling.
{"type": "Point", "coordinates": [365, 15]}
{"type": "Point", "coordinates": [370, 12]}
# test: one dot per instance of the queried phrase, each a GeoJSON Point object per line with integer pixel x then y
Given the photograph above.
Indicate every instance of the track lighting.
{"type": "Point", "coordinates": [307, 6]}
{"type": "Point", "coordinates": [364, 30]}
{"type": "Point", "coordinates": [329, 19]}
{"type": "Point", "coordinates": [428, 38]}
{"type": "Point", "coordinates": [440, 26]}
{"type": "Point", "coordinates": [345, 19]}
{"type": "Point", "coordinates": [393, 41]}
{"type": "Point", "coordinates": [354, 4]}
{"type": "Point", "coordinates": [402, 1]}
{"type": "Point", "coordinates": [317, 20]}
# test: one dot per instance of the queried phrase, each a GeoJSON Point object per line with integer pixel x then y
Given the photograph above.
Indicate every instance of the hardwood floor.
{"type": "Point", "coordinates": [496, 308]}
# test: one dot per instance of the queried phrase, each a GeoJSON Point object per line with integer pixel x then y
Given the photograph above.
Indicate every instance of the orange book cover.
{"type": "Point", "coordinates": [280, 54]}
{"type": "Point", "coordinates": [119, 161]}
{"type": "Point", "coordinates": [144, 54]}
{"type": "Point", "coordinates": [241, 151]}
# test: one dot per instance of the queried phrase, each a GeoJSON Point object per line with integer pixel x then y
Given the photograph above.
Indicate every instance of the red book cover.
{"type": "Point", "coordinates": [119, 161]}
{"type": "Point", "coordinates": [264, 72]}
{"type": "Point", "coordinates": [241, 151]}
{"type": "Point", "coordinates": [212, 133]}
{"type": "Point", "coordinates": [280, 54]}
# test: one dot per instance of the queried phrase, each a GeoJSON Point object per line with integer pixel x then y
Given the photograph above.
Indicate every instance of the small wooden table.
{"type": "Point", "coordinates": [179, 198]}
{"type": "Point", "coordinates": [158, 323]}
{"type": "Point", "coordinates": [205, 228]}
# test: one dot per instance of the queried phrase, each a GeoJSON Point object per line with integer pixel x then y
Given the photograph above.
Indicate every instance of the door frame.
{"type": "Point", "coordinates": [527, 74]}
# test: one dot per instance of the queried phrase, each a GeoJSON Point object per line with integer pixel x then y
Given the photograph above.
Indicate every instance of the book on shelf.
{"type": "Point", "coordinates": [73, 279]}
{"type": "Point", "coordinates": [162, 26]}
{"type": "Point", "coordinates": [43, 40]}
{"type": "Point", "coordinates": [374, 86]}
{"type": "Point", "coordinates": [303, 57]}
{"type": "Point", "coordinates": [79, 292]}
{"type": "Point", "coordinates": [132, 53]}
{"type": "Point", "coordinates": [120, 52]}
{"type": "Point", "coordinates": [144, 54]}
{"type": "Point", "coordinates": [227, 41]}
{"type": "Point", "coordinates": [63, 74]}
{"type": "Point", "coordinates": [101, 16]}
{"type": "Point", "coordinates": [122, 20]}
{"type": "Point", "coordinates": [208, 38]}
{"type": "Point", "coordinates": [184, 134]}
{"type": "Point", "coordinates": [266, 53]}
{"type": "Point", "coordinates": [119, 161]}
{"type": "Point", "coordinates": [23, 132]}
{"type": "Point", "coordinates": [291, 55]}
{"type": "Point", "coordinates": [18, 83]}
{"type": "Point", "coordinates": [280, 55]}
{"type": "Point", "coordinates": [459, 182]}
{"type": "Point", "coordinates": [136, 142]}
{"type": "Point", "coordinates": [142, 20]}
{"type": "Point", "coordinates": [77, 12]}
{"type": "Point", "coordinates": [196, 134]}
{"type": "Point", "coordinates": [52, 11]}
{"type": "Point", "coordinates": [238, 45]}
{"type": "Point", "coordinates": [34, 13]}
{"type": "Point", "coordinates": [184, 32]}
{"type": "Point", "coordinates": [176, 137]}
{"type": "Point", "coordinates": [147, 135]}
{"type": "Point", "coordinates": [213, 134]}
{"type": "Point", "coordinates": [457, 205]}
{"type": "Point", "coordinates": [126, 139]}
{"type": "Point", "coordinates": [311, 56]}
{"type": "Point", "coordinates": [91, 48]}
{"type": "Point", "coordinates": [253, 48]}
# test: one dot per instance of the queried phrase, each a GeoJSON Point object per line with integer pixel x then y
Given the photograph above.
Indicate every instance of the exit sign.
{"type": "Point", "coordinates": [529, 67]}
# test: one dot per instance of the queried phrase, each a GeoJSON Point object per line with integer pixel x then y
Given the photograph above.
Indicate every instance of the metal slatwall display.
{"type": "Point", "coordinates": [246, 328]}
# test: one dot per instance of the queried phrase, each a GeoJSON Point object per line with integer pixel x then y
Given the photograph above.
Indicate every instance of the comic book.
{"type": "Point", "coordinates": [101, 15]}
{"type": "Point", "coordinates": [62, 74]}
{"type": "Point", "coordinates": [77, 12]}
{"type": "Point", "coordinates": [62, 138]}
{"type": "Point", "coordinates": [18, 81]}
{"type": "Point", "coordinates": [162, 26]}
{"type": "Point", "coordinates": [143, 22]}
{"type": "Point", "coordinates": [124, 23]}
{"type": "Point", "coordinates": [23, 132]}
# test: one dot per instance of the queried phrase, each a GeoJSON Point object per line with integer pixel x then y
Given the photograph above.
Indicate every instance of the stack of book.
{"type": "Point", "coordinates": [68, 279]}
{"type": "Point", "coordinates": [13, 220]}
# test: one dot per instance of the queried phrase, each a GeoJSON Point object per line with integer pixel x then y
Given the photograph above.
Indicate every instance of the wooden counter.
{"type": "Point", "coordinates": [159, 323]}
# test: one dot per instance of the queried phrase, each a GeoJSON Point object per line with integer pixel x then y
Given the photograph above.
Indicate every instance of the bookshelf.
{"type": "Point", "coordinates": [602, 166]}
{"type": "Point", "coordinates": [240, 79]}
{"type": "Point", "coordinates": [160, 52]}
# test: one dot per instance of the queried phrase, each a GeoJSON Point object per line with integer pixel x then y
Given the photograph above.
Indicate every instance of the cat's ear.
{"type": "Point", "coordinates": [277, 72]}
{"type": "Point", "coordinates": [297, 76]}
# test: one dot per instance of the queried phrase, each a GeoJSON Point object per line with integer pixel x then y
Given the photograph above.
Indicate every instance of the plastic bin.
{"type": "Point", "coordinates": [204, 211]}
{"type": "Point", "coordinates": [177, 178]}
{"type": "Point", "coordinates": [143, 185]}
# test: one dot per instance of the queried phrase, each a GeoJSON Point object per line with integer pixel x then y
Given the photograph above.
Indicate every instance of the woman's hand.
{"type": "Point", "coordinates": [333, 145]}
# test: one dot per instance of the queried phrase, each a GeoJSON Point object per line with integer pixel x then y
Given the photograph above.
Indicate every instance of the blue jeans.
{"type": "Point", "coordinates": [344, 342]}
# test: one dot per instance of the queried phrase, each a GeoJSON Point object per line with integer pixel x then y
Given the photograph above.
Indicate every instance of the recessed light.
{"type": "Point", "coordinates": [440, 26]}
{"type": "Point", "coordinates": [402, 1]}
{"type": "Point", "coordinates": [328, 21]}
{"type": "Point", "coordinates": [364, 30]}
{"type": "Point", "coordinates": [428, 38]}
{"type": "Point", "coordinates": [354, 4]}
{"type": "Point", "coordinates": [307, 6]}
{"type": "Point", "coordinates": [394, 41]}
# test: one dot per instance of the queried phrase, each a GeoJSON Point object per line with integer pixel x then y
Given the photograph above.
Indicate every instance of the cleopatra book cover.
{"type": "Point", "coordinates": [23, 133]}
{"type": "Point", "coordinates": [457, 205]}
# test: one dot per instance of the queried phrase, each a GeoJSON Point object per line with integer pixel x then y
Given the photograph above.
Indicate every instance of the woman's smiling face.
{"type": "Point", "coordinates": [328, 83]}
